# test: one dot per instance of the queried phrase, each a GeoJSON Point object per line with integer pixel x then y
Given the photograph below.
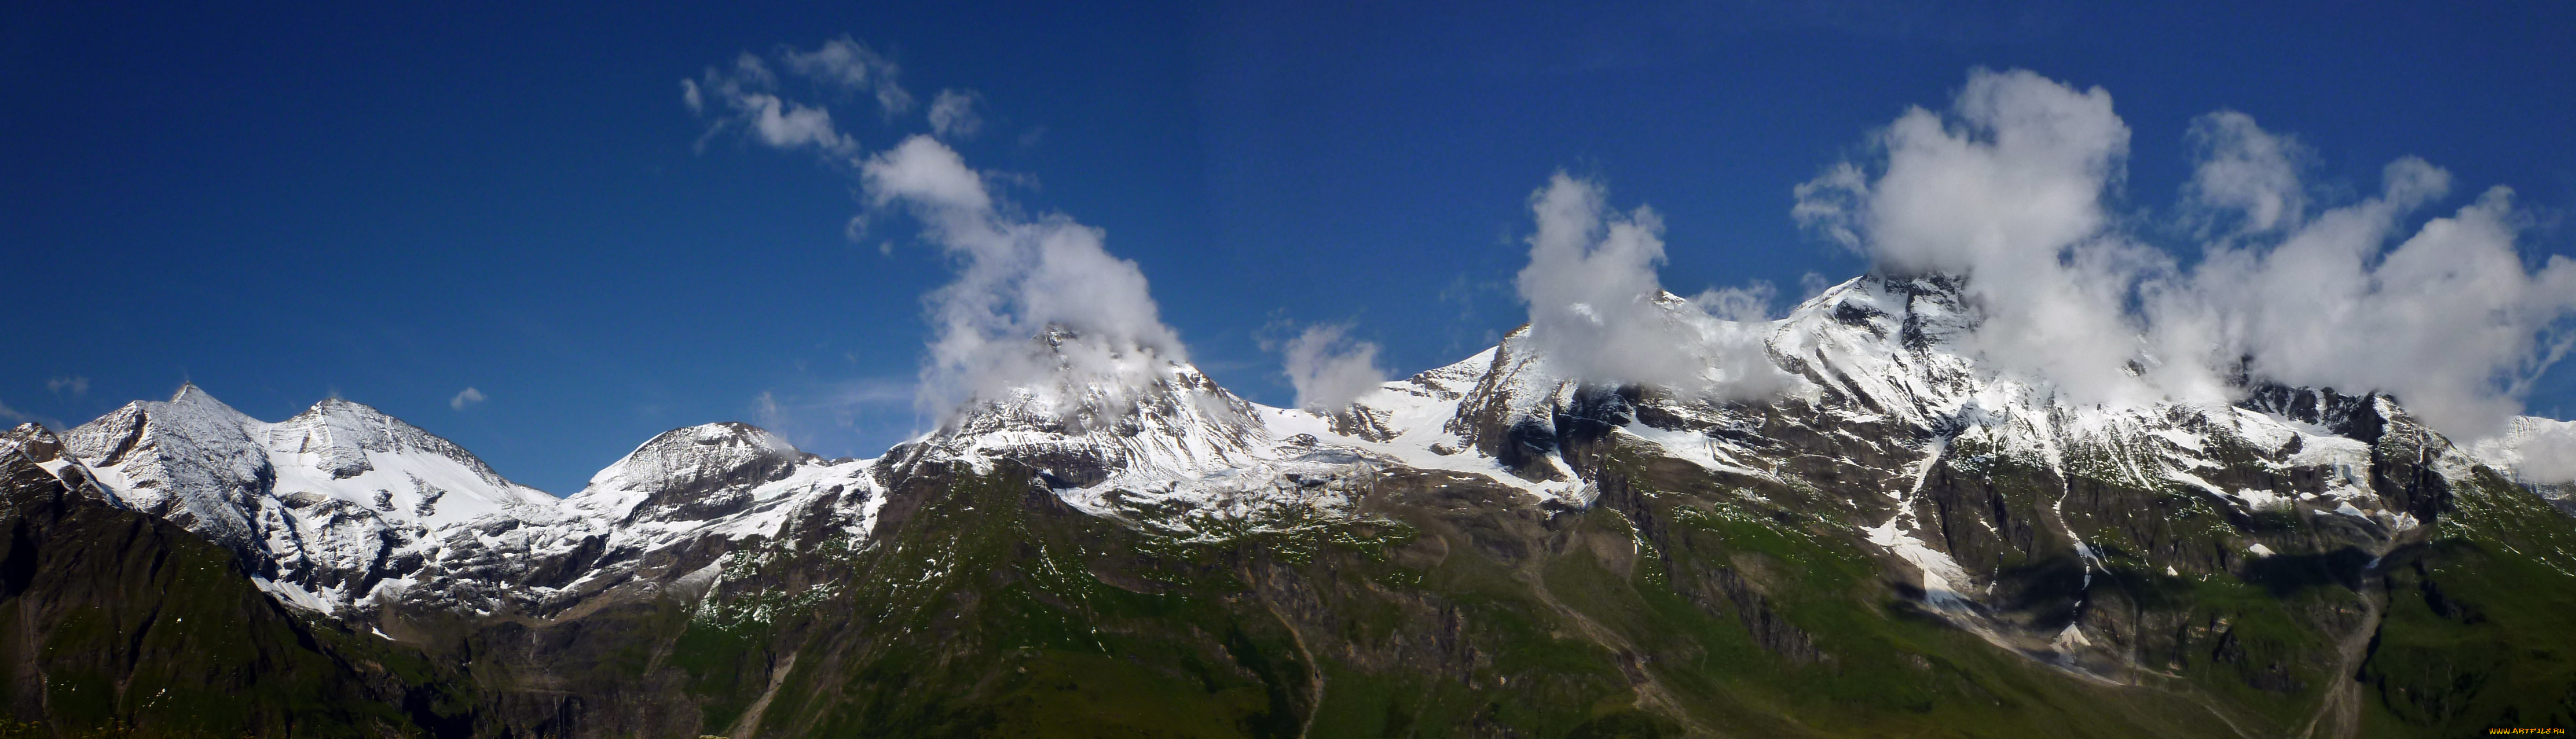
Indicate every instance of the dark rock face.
{"type": "Point", "coordinates": [2400, 466]}
{"type": "Point", "coordinates": [2355, 417]}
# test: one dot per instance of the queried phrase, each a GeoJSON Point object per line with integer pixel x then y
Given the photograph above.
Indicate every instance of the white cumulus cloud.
{"type": "Point", "coordinates": [2007, 189]}
{"type": "Point", "coordinates": [1329, 369]}
{"type": "Point", "coordinates": [466, 397]}
{"type": "Point", "coordinates": [1599, 313]}
{"type": "Point", "coordinates": [1018, 277]}
{"type": "Point", "coordinates": [1748, 304]}
{"type": "Point", "coordinates": [2447, 318]}
{"type": "Point", "coordinates": [2011, 189]}
{"type": "Point", "coordinates": [2245, 172]}
{"type": "Point", "coordinates": [2544, 450]}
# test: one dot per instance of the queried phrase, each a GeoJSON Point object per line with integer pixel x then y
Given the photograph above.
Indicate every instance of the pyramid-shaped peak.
{"type": "Point", "coordinates": [190, 393]}
{"type": "Point", "coordinates": [193, 402]}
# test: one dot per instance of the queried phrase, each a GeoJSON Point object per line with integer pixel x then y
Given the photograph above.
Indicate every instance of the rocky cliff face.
{"type": "Point", "coordinates": [1907, 540]}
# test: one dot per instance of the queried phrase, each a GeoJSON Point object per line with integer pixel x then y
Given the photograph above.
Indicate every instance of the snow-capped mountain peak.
{"type": "Point", "coordinates": [327, 503]}
{"type": "Point", "coordinates": [1083, 411]}
{"type": "Point", "coordinates": [353, 452]}
{"type": "Point", "coordinates": [692, 473]}
{"type": "Point", "coordinates": [190, 459]}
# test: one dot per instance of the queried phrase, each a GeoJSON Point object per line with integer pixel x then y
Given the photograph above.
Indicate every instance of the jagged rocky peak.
{"type": "Point", "coordinates": [690, 473]}
{"type": "Point", "coordinates": [2360, 417]}
{"type": "Point", "coordinates": [1509, 413]}
{"type": "Point", "coordinates": [29, 479]}
{"type": "Point", "coordinates": [30, 446]}
{"type": "Point", "coordinates": [1913, 313]}
{"type": "Point", "coordinates": [32, 441]}
{"type": "Point", "coordinates": [190, 393]}
{"type": "Point", "coordinates": [1426, 400]}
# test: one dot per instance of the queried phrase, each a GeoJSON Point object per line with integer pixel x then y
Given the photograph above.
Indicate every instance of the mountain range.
{"type": "Point", "coordinates": [1908, 542]}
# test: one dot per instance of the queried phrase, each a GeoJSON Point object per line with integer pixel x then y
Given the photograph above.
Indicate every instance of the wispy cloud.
{"type": "Point", "coordinates": [850, 66]}
{"type": "Point", "coordinates": [466, 397]}
{"type": "Point", "coordinates": [746, 95]}
{"type": "Point", "coordinates": [811, 413]}
{"type": "Point", "coordinates": [2246, 180]}
{"type": "Point", "coordinates": [952, 114]}
{"type": "Point", "coordinates": [18, 416]}
{"type": "Point", "coordinates": [75, 384]}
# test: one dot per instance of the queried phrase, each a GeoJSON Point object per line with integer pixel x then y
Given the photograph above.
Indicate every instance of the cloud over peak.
{"type": "Point", "coordinates": [2014, 186]}
{"type": "Point", "coordinates": [2011, 189]}
{"type": "Point", "coordinates": [1038, 305]}
{"type": "Point", "coordinates": [1329, 369]}
{"type": "Point", "coordinates": [1018, 277]}
{"type": "Point", "coordinates": [1599, 313]}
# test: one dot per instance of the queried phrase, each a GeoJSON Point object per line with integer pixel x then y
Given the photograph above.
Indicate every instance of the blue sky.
{"type": "Point", "coordinates": [393, 204]}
